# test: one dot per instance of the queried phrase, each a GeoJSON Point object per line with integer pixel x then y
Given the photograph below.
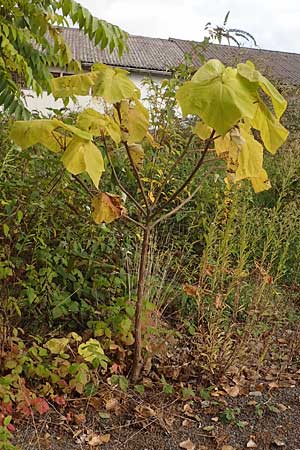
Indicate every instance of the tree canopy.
{"type": "Point", "coordinates": [31, 43]}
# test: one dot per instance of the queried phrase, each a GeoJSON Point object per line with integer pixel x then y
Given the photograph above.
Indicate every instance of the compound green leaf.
{"type": "Point", "coordinates": [84, 156]}
{"type": "Point", "coordinates": [221, 97]}
{"type": "Point", "coordinates": [272, 132]}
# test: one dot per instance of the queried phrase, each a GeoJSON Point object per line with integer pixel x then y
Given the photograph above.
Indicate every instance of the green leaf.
{"type": "Point", "coordinates": [221, 97]}
{"type": "Point", "coordinates": [84, 156]}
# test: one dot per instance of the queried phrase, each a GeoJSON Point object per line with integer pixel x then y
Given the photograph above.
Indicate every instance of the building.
{"type": "Point", "coordinates": [157, 58]}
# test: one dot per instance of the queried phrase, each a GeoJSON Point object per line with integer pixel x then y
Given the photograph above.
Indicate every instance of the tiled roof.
{"type": "Point", "coordinates": [154, 54]}
{"type": "Point", "coordinates": [143, 52]}
{"type": "Point", "coordinates": [280, 66]}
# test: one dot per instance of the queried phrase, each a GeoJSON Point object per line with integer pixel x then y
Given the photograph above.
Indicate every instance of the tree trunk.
{"type": "Point", "coordinates": [137, 357]}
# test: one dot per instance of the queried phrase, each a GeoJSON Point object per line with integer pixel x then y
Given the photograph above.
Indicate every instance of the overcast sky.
{"type": "Point", "coordinates": [275, 24]}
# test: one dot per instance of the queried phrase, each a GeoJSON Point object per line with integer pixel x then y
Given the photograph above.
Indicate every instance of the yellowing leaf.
{"type": "Point", "coordinates": [74, 130]}
{"type": "Point", "coordinates": [84, 156]}
{"type": "Point", "coordinates": [250, 158]}
{"type": "Point", "coordinates": [272, 132]}
{"type": "Point", "coordinates": [137, 153]}
{"type": "Point", "coordinates": [96, 123]}
{"type": "Point", "coordinates": [107, 208]}
{"type": "Point", "coordinates": [112, 84]}
{"type": "Point", "coordinates": [72, 85]}
{"type": "Point", "coordinates": [31, 132]}
{"type": "Point", "coordinates": [135, 121]}
{"type": "Point", "coordinates": [202, 130]}
{"type": "Point", "coordinates": [57, 345]}
{"type": "Point", "coordinates": [219, 96]}
{"type": "Point", "coordinates": [248, 71]}
{"type": "Point", "coordinates": [90, 350]}
{"type": "Point", "coordinates": [151, 197]}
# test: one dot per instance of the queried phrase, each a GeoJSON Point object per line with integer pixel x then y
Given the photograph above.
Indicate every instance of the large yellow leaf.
{"type": "Point", "coordinates": [73, 130]}
{"type": "Point", "coordinates": [250, 158]}
{"type": "Point", "coordinates": [249, 72]}
{"type": "Point", "coordinates": [31, 132]}
{"type": "Point", "coordinates": [112, 84]}
{"type": "Point", "coordinates": [72, 85]}
{"type": "Point", "coordinates": [272, 132]}
{"type": "Point", "coordinates": [221, 97]}
{"type": "Point", "coordinates": [84, 156]}
{"type": "Point", "coordinates": [96, 123]}
{"type": "Point", "coordinates": [107, 208]}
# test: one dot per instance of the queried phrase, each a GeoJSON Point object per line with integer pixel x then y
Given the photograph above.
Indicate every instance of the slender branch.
{"type": "Point", "coordinates": [137, 176]}
{"type": "Point", "coordinates": [130, 219]}
{"type": "Point", "coordinates": [134, 168]}
{"type": "Point", "coordinates": [189, 178]}
{"type": "Point", "coordinates": [178, 207]}
{"type": "Point", "coordinates": [83, 185]}
{"type": "Point", "coordinates": [117, 179]}
{"type": "Point", "coordinates": [175, 164]}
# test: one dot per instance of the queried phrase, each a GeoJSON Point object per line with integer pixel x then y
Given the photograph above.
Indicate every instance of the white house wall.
{"type": "Point", "coordinates": [41, 104]}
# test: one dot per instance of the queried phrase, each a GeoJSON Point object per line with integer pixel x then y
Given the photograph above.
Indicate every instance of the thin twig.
{"type": "Point", "coordinates": [175, 164]}
{"type": "Point", "coordinates": [130, 219]}
{"type": "Point", "coordinates": [123, 189]}
{"type": "Point", "coordinates": [189, 178]}
{"type": "Point", "coordinates": [83, 185]}
{"type": "Point", "coordinates": [134, 168]}
{"type": "Point", "coordinates": [177, 208]}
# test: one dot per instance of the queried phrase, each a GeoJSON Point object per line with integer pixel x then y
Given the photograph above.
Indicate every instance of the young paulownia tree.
{"type": "Point", "coordinates": [227, 104]}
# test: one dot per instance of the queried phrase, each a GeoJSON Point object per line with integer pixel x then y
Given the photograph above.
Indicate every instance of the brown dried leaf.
{"type": "Point", "coordinates": [187, 445]}
{"type": "Point", "coordinates": [191, 290]}
{"type": "Point", "coordinates": [107, 207]}
{"type": "Point", "coordinates": [98, 439]}
{"type": "Point", "coordinates": [145, 411]}
{"type": "Point", "coordinates": [228, 447]}
{"type": "Point", "coordinates": [112, 405]}
{"type": "Point", "coordinates": [233, 391]}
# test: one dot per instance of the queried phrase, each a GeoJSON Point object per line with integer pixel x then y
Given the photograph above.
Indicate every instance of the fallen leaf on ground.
{"type": "Point", "coordinates": [112, 404]}
{"type": "Point", "coordinates": [228, 447]}
{"type": "Point", "coordinates": [187, 445]}
{"type": "Point", "coordinates": [251, 444]}
{"type": "Point", "coordinates": [98, 439]}
{"type": "Point", "coordinates": [232, 391]}
{"type": "Point", "coordinates": [279, 443]}
{"type": "Point", "coordinates": [145, 411]}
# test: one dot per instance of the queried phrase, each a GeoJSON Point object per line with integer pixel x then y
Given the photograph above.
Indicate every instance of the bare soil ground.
{"type": "Point", "coordinates": [267, 420]}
